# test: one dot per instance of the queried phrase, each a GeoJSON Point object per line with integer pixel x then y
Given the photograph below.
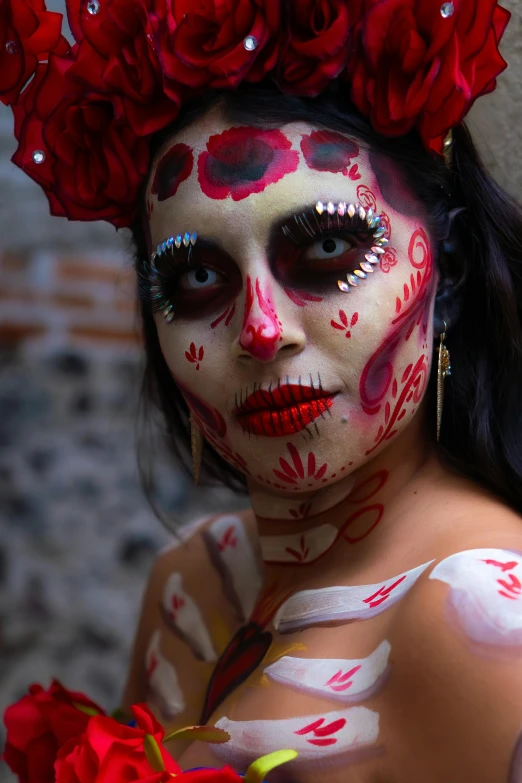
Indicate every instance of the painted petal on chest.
{"type": "Point", "coordinates": [485, 594]}
{"type": "Point", "coordinates": [335, 604]}
{"type": "Point", "coordinates": [162, 680]}
{"type": "Point", "coordinates": [298, 547]}
{"type": "Point", "coordinates": [333, 737]}
{"type": "Point", "coordinates": [338, 679]}
{"type": "Point", "coordinates": [182, 616]}
{"type": "Point", "coordinates": [234, 557]}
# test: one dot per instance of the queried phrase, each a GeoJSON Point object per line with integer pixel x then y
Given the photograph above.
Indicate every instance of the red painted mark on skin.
{"type": "Point", "coordinates": [513, 587]}
{"type": "Point", "coordinates": [196, 355]}
{"type": "Point", "coordinates": [261, 329]}
{"type": "Point", "coordinates": [320, 732]}
{"type": "Point", "coordinates": [301, 298]}
{"type": "Point", "coordinates": [302, 553]}
{"type": "Point", "coordinates": [228, 539]}
{"type": "Point", "coordinates": [366, 198]}
{"type": "Point", "coordinates": [326, 150]}
{"type": "Point", "coordinates": [150, 209]}
{"type": "Point", "coordinates": [153, 665]}
{"type": "Point", "coordinates": [503, 566]}
{"type": "Point", "coordinates": [227, 315]}
{"type": "Point", "coordinates": [345, 325]}
{"type": "Point", "coordinates": [174, 167]}
{"type": "Point", "coordinates": [291, 473]}
{"type": "Point", "coordinates": [368, 518]}
{"type": "Point", "coordinates": [421, 258]}
{"type": "Point", "coordinates": [177, 603]}
{"type": "Point", "coordinates": [384, 592]}
{"type": "Point", "coordinates": [301, 512]}
{"type": "Point", "coordinates": [342, 681]}
{"type": "Point", "coordinates": [242, 161]}
{"type": "Point", "coordinates": [209, 418]}
{"type": "Point", "coordinates": [387, 260]}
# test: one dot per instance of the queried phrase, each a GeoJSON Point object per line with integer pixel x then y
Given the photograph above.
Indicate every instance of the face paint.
{"type": "Point", "coordinates": [195, 355]}
{"type": "Point", "coordinates": [345, 324]}
{"type": "Point", "coordinates": [515, 774]}
{"type": "Point", "coordinates": [326, 150]}
{"type": "Point", "coordinates": [301, 298]}
{"type": "Point", "coordinates": [334, 679]}
{"type": "Point", "coordinates": [174, 167]}
{"type": "Point", "coordinates": [338, 604]}
{"type": "Point", "coordinates": [242, 161]}
{"type": "Point", "coordinates": [366, 198]}
{"type": "Point", "coordinates": [392, 184]}
{"type": "Point", "coordinates": [226, 316]}
{"type": "Point", "coordinates": [335, 737]}
{"type": "Point", "coordinates": [162, 681]}
{"type": "Point", "coordinates": [261, 330]}
{"type": "Point", "coordinates": [208, 416]}
{"type": "Point", "coordinates": [485, 596]}
{"type": "Point", "coordinates": [234, 557]}
{"type": "Point", "coordinates": [182, 616]}
{"type": "Point", "coordinates": [298, 547]}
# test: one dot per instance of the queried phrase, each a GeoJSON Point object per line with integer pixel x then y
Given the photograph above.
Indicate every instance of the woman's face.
{"type": "Point", "coordinates": [292, 380]}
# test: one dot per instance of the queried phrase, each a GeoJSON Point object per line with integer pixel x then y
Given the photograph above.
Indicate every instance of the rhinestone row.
{"type": "Point", "coordinates": [374, 223]}
{"type": "Point", "coordinates": [185, 239]}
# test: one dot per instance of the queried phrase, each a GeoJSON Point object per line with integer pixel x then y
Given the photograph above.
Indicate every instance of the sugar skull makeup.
{"type": "Point", "coordinates": [308, 293]}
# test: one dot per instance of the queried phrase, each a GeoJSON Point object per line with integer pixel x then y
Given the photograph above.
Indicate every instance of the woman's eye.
{"type": "Point", "coordinates": [200, 278]}
{"type": "Point", "coordinates": [328, 247]}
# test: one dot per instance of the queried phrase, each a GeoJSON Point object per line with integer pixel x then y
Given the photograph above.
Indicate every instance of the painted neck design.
{"type": "Point", "coordinates": [261, 330]}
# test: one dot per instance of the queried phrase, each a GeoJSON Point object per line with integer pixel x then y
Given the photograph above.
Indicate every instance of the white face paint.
{"type": "Point", "coordinates": [485, 594]}
{"type": "Point", "coordinates": [335, 737]}
{"type": "Point", "coordinates": [234, 557]}
{"type": "Point", "coordinates": [338, 679]}
{"type": "Point", "coordinates": [299, 547]}
{"type": "Point", "coordinates": [182, 616]}
{"type": "Point", "coordinates": [335, 604]}
{"type": "Point", "coordinates": [515, 774]}
{"type": "Point", "coordinates": [162, 680]}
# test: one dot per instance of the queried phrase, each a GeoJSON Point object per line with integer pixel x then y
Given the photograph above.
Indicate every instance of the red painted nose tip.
{"type": "Point", "coordinates": [261, 340]}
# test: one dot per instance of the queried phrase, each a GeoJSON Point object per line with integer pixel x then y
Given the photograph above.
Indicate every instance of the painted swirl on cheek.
{"type": "Point", "coordinates": [261, 329]}
{"type": "Point", "coordinates": [330, 151]}
{"type": "Point", "coordinates": [174, 167]}
{"type": "Point", "coordinates": [242, 161]}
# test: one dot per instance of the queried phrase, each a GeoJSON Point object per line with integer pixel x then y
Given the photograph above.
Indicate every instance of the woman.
{"type": "Point", "coordinates": [308, 279]}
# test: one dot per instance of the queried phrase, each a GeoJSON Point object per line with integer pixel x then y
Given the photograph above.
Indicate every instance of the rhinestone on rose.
{"type": "Point", "coordinates": [38, 156]}
{"type": "Point", "coordinates": [11, 47]}
{"type": "Point", "coordinates": [250, 43]}
{"type": "Point", "coordinates": [93, 7]}
{"type": "Point", "coordinates": [447, 10]}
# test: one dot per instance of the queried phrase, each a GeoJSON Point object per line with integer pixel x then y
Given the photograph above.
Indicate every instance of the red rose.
{"type": "Point", "coordinates": [205, 46]}
{"type": "Point", "coordinates": [315, 45]}
{"type": "Point", "coordinates": [412, 66]}
{"type": "Point", "coordinates": [203, 775]}
{"type": "Point", "coordinates": [109, 751]}
{"type": "Point", "coordinates": [39, 725]}
{"type": "Point", "coordinates": [93, 164]}
{"type": "Point", "coordinates": [116, 57]}
{"type": "Point", "coordinates": [27, 34]}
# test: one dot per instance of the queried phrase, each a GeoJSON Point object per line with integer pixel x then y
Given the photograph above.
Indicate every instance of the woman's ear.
{"type": "Point", "coordinates": [453, 271]}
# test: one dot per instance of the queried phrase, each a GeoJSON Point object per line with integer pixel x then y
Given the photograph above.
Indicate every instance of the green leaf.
{"type": "Point", "coordinates": [86, 709]}
{"type": "Point", "coordinates": [199, 734]}
{"type": "Point", "coordinates": [257, 771]}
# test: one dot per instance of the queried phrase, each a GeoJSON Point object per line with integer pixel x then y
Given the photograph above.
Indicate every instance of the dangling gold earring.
{"type": "Point", "coordinates": [444, 369]}
{"type": "Point", "coordinates": [196, 442]}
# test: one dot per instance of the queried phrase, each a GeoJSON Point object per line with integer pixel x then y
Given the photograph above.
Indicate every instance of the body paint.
{"type": "Point", "coordinates": [209, 417]}
{"type": "Point", "coordinates": [195, 356]}
{"type": "Point", "coordinates": [162, 681]}
{"type": "Point", "coordinates": [296, 471]}
{"type": "Point", "coordinates": [226, 316]}
{"type": "Point", "coordinates": [301, 298]}
{"type": "Point", "coordinates": [336, 679]}
{"type": "Point", "coordinates": [174, 167]}
{"type": "Point", "coordinates": [298, 547]}
{"type": "Point", "coordinates": [333, 737]}
{"type": "Point", "coordinates": [327, 150]}
{"type": "Point", "coordinates": [515, 773]}
{"type": "Point", "coordinates": [233, 555]}
{"type": "Point", "coordinates": [345, 325]}
{"type": "Point", "coordinates": [392, 184]}
{"type": "Point", "coordinates": [366, 198]}
{"type": "Point", "coordinates": [283, 410]}
{"type": "Point", "coordinates": [339, 604]}
{"type": "Point", "coordinates": [182, 616]}
{"type": "Point", "coordinates": [241, 161]}
{"type": "Point", "coordinates": [485, 595]}
{"type": "Point", "coordinates": [261, 329]}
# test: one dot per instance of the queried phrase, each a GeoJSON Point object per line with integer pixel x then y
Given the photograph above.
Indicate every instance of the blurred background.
{"type": "Point", "coordinates": [77, 536]}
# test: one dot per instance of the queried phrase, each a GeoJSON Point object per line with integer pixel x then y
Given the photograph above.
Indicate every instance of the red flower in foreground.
{"type": "Point", "coordinates": [109, 752]}
{"type": "Point", "coordinates": [39, 725]}
{"type": "Point", "coordinates": [423, 64]}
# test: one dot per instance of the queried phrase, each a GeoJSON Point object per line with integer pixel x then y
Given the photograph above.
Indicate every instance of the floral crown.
{"type": "Point", "coordinates": [84, 113]}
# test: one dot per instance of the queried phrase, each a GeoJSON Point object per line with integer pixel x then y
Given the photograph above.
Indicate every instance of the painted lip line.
{"type": "Point", "coordinates": [285, 410]}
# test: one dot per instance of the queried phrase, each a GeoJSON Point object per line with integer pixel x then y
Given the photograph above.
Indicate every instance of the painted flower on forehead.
{"type": "Point", "coordinates": [28, 32]}
{"type": "Point", "coordinates": [241, 161]}
{"type": "Point", "coordinates": [116, 56]}
{"type": "Point", "coordinates": [81, 140]}
{"type": "Point", "coordinates": [215, 44]}
{"type": "Point", "coordinates": [423, 64]}
{"type": "Point", "coordinates": [315, 43]}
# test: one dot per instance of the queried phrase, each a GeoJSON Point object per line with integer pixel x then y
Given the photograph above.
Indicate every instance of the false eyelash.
{"type": "Point", "coordinates": [152, 282]}
{"type": "Point", "coordinates": [326, 219]}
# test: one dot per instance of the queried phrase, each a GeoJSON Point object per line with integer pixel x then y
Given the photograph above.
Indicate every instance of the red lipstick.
{"type": "Point", "coordinates": [285, 410]}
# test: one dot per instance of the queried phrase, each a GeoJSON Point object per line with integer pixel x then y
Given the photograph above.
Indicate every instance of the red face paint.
{"type": "Point", "coordinates": [210, 417]}
{"type": "Point", "coordinates": [366, 198]}
{"type": "Point", "coordinates": [301, 298]}
{"type": "Point", "coordinates": [330, 151]}
{"type": "Point", "coordinates": [226, 316]}
{"type": "Point", "coordinates": [421, 258]}
{"type": "Point", "coordinates": [261, 329]}
{"type": "Point", "coordinates": [174, 167]}
{"type": "Point", "coordinates": [242, 161]}
{"type": "Point", "coordinates": [344, 324]}
{"type": "Point", "coordinates": [291, 473]}
{"type": "Point", "coordinates": [388, 259]}
{"type": "Point", "coordinates": [392, 184]}
{"type": "Point", "coordinates": [195, 355]}
{"type": "Point", "coordinates": [284, 410]}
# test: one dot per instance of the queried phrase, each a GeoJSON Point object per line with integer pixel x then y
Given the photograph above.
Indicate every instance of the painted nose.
{"type": "Point", "coordinates": [261, 333]}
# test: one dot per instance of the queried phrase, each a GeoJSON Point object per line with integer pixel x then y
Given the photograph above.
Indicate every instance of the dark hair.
{"type": "Point", "coordinates": [481, 435]}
